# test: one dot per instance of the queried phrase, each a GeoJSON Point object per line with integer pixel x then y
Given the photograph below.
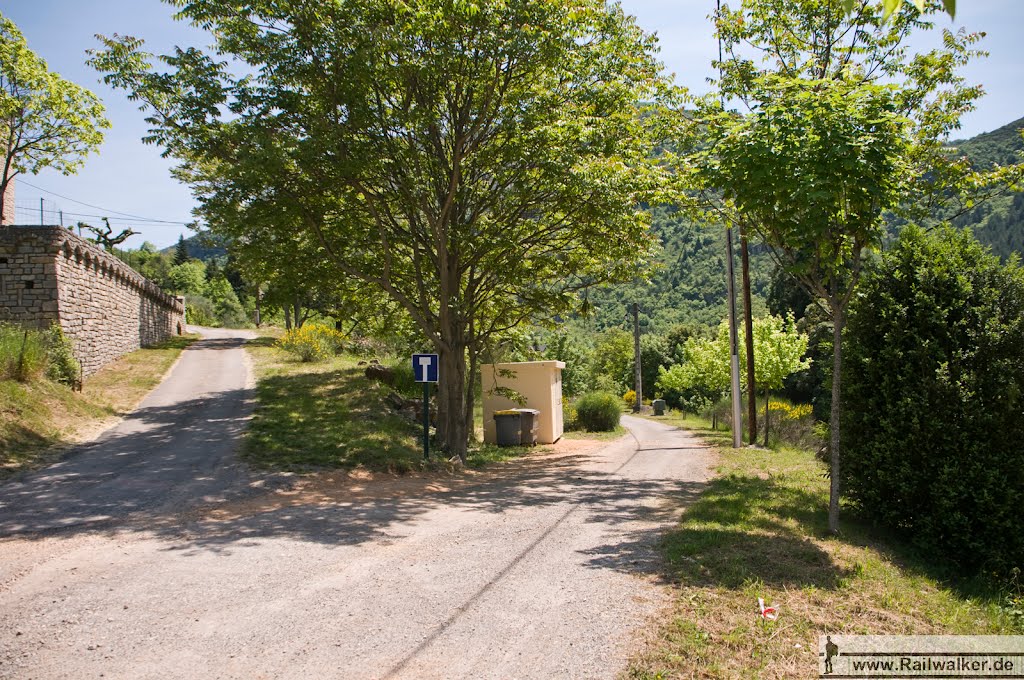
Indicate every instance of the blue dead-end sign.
{"type": "Point", "coordinates": [424, 367]}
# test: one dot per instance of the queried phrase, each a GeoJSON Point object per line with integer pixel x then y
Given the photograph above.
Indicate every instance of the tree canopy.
{"type": "Point", "coordinates": [45, 121]}
{"type": "Point", "coordinates": [841, 125]}
{"type": "Point", "coordinates": [477, 163]}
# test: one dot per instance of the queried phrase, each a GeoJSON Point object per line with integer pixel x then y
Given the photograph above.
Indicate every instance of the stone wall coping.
{"type": "Point", "coordinates": [60, 238]}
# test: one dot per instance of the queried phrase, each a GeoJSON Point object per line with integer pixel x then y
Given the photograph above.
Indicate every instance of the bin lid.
{"type": "Point", "coordinates": [528, 410]}
{"type": "Point", "coordinates": [508, 413]}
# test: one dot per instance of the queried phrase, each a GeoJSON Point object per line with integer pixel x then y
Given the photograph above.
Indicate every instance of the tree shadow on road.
{"type": "Point", "coordinates": [171, 472]}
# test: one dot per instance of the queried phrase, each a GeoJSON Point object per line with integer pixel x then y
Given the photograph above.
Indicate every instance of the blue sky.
{"type": "Point", "coordinates": [131, 178]}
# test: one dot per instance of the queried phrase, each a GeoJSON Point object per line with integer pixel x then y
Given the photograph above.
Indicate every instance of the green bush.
{"type": "Point", "coordinates": [199, 311]}
{"type": "Point", "coordinates": [22, 353]}
{"type": "Point", "coordinates": [570, 419]}
{"type": "Point", "coordinates": [599, 411]}
{"type": "Point", "coordinates": [404, 380]}
{"type": "Point", "coordinates": [934, 394]}
{"type": "Point", "coordinates": [62, 366]}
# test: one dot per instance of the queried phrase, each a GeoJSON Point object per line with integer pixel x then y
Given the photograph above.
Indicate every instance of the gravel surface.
{"type": "Point", "coordinates": [542, 568]}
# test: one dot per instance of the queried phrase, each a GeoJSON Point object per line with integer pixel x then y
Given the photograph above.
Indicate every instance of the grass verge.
{"type": "Point", "coordinates": [39, 417]}
{"type": "Point", "coordinates": [611, 435]}
{"type": "Point", "coordinates": [760, 530]}
{"type": "Point", "coordinates": [323, 415]}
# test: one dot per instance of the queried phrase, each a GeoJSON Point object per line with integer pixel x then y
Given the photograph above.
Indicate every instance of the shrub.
{"type": "Point", "coordinates": [362, 346]}
{"type": "Point", "coordinates": [792, 425]}
{"type": "Point", "coordinates": [199, 311]}
{"type": "Point", "coordinates": [934, 388]}
{"type": "Point", "coordinates": [22, 353]}
{"type": "Point", "coordinates": [312, 342]}
{"type": "Point", "coordinates": [62, 366]}
{"type": "Point", "coordinates": [629, 398]}
{"type": "Point", "coordinates": [404, 379]}
{"type": "Point", "coordinates": [599, 411]}
{"type": "Point", "coordinates": [570, 418]}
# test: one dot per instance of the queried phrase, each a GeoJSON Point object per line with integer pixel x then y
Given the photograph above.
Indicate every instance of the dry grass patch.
{"type": "Point", "coordinates": [38, 419]}
{"type": "Point", "coordinates": [760, 530]}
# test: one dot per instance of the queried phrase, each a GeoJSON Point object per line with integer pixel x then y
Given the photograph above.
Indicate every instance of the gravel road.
{"type": "Point", "coordinates": [543, 568]}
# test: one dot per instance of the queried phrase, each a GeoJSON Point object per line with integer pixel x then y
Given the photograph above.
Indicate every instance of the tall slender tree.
{"type": "Point", "coordinates": [45, 121]}
{"type": "Point", "coordinates": [840, 123]}
{"type": "Point", "coordinates": [181, 251]}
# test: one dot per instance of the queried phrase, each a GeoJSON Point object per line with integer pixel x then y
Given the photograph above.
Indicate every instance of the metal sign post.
{"type": "Point", "coordinates": [734, 352]}
{"type": "Point", "coordinates": [425, 370]}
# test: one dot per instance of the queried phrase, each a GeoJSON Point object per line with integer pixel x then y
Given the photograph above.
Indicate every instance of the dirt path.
{"type": "Point", "coordinates": [545, 568]}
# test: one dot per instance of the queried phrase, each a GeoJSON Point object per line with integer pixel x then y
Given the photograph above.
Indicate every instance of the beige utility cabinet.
{"type": "Point", "coordinates": [540, 382]}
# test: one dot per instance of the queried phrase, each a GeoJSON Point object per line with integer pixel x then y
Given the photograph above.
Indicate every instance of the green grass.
{"type": "Point", "coordinates": [324, 415]}
{"type": "Point", "coordinates": [599, 436]}
{"type": "Point", "coordinates": [760, 530]}
{"type": "Point", "coordinates": [39, 417]}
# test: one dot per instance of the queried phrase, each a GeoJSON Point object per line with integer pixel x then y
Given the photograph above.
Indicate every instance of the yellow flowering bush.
{"type": "Point", "coordinates": [629, 398]}
{"type": "Point", "coordinates": [312, 342]}
{"type": "Point", "coordinates": [783, 411]}
{"type": "Point", "coordinates": [791, 424]}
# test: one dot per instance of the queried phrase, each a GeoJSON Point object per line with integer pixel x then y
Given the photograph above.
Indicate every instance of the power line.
{"type": "Point", "coordinates": [97, 207]}
{"type": "Point", "coordinates": [34, 213]}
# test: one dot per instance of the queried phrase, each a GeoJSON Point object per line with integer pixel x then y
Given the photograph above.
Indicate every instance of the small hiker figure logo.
{"type": "Point", "coordinates": [831, 650]}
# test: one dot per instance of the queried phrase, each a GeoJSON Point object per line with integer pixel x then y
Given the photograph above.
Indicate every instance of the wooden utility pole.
{"type": "Point", "coordinates": [638, 404]}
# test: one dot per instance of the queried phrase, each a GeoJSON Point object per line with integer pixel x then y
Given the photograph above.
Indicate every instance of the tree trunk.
{"type": "Point", "coordinates": [474, 361]}
{"type": "Point", "coordinates": [637, 368]}
{"type": "Point", "coordinates": [748, 325]}
{"type": "Point", "coordinates": [454, 436]}
{"type": "Point", "coordinates": [287, 318]}
{"type": "Point", "coordinates": [767, 417]}
{"type": "Point", "coordinates": [298, 312]}
{"type": "Point", "coordinates": [834, 419]}
{"type": "Point", "coordinates": [259, 297]}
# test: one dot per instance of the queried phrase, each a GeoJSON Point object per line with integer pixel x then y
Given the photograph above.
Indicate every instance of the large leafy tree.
{"type": "Point", "coordinates": [45, 121]}
{"type": "Point", "coordinates": [478, 163]}
{"type": "Point", "coordinates": [839, 124]}
{"type": "Point", "coordinates": [779, 349]}
{"type": "Point", "coordinates": [703, 371]}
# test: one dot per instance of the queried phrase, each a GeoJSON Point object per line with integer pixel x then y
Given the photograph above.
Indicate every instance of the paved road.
{"type": "Point", "coordinates": [177, 446]}
{"type": "Point", "coordinates": [545, 568]}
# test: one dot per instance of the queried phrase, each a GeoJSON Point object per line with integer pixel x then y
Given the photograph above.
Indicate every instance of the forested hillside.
{"type": "Point", "coordinates": [689, 285]}
{"type": "Point", "coordinates": [1000, 222]}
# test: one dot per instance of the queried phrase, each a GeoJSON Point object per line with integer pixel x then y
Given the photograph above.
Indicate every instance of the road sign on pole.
{"type": "Point", "coordinates": [424, 367]}
{"type": "Point", "coordinates": [425, 370]}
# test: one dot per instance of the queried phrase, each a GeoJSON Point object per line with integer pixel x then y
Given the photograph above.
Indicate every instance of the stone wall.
{"type": "Point", "coordinates": [48, 274]}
